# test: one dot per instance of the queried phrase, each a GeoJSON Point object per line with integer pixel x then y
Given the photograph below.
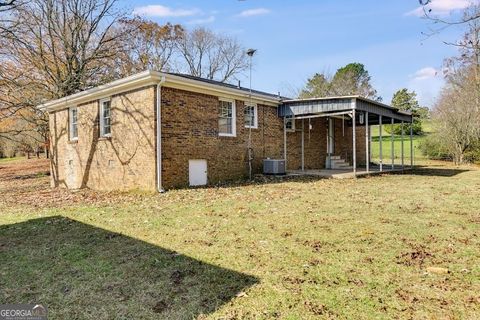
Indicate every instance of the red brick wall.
{"type": "Point", "coordinates": [190, 131]}
{"type": "Point", "coordinates": [123, 162]}
{"type": "Point", "coordinates": [316, 143]}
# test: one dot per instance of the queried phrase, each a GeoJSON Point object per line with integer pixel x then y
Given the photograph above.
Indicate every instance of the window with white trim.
{"type": "Point", "coordinates": [105, 118]}
{"type": "Point", "coordinates": [73, 123]}
{"type": "Point", "coordinates": [226, 118]}
{"type": "Point", "coordinates": [251, 116]}
{"type": "Point", "coordinates": [290, 124]}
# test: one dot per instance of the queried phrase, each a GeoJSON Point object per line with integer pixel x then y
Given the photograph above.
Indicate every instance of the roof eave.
{"type": "Point", "coordinates": [174, 79]}
{"type": "Point", "coordinates": [144, 79]}
{"type": "Point", "coordinates": [121, 85]}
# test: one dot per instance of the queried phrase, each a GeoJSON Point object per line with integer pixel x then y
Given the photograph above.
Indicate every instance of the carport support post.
{"type": "Point", "coordinates": [370, 134]}
{"type": "Point", "coordinates": [303, 144]}
{"type": "Point", "coordinates": [367, 141]}
{"type": "Point", "coordinates": [285, 140]}
{"type": "Point", "coordinates": [411, 145]}
{"type": "Point", "coordinates": [403, 134]}
{"type": "Point", "coordinates": [354, 119]}
{"type": "Point", "coordinates": [381, 144]}
{"type": "Point", "coordinates": [393, 145]}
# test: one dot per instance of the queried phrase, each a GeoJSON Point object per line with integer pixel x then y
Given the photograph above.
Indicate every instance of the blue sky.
{"type": "Point", "coordinates": [296, 38]}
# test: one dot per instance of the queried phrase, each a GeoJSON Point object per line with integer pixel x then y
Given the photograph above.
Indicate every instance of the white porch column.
{"type": "Point", "coordinates": [367, 142]}
{"type": "Point", "coordinates": [285, 141]}
{"type": "Point", "coordinates": [303, 144]}
{"type": "Point", "coordinates": [370, 141]}
{"type": "Point", "coordinates": [393, 145]}
{"type": "Point", "coordinates": [411, 145]}
{"type": "Point", "coordinates": [354, 119]}
{"type": "Point", "coordinates": [381, 144]}
{"type": "Point", "coordinates": [403, 134]}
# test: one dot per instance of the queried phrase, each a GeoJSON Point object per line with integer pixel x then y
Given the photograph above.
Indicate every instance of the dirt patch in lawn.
{"type": "Point", "coordinates": [27, 182]}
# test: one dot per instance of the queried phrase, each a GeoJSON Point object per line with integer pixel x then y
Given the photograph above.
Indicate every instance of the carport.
{"type": "Point", "coordinates": [354, 112]}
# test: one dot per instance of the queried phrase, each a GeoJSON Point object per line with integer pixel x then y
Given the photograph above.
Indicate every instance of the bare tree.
{"type": "Point", "coordinates": [6, 24]}
{"type": "Point", "coordinates": [57, 48]}
{"type": "Point", "coordinates": [149, 46]}
{"type": "Point", "coordinates": [66, 42]}
{"type": "Point", "coordinates": [209, 55]}
{"type": "Point", "coordinates": [457, 112]}
{"type": "Point", "coordinates": [441, 23]}
{"type": "Point", "coordinates": [457, 118]}
{"type": "Point", "coordinates": [7, 3]}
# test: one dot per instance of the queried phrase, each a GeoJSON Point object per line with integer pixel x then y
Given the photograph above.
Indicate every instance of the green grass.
{"type": "Point", "coordinates": [7, 160]}
{"type": "Point", "coordinates": [397, 145]}
{"type": "Point", "coordinates": [299, 249]}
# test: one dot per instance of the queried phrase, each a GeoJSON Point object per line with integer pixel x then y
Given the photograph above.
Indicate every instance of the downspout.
{"type": "Point", "coordinates": [159, 134]}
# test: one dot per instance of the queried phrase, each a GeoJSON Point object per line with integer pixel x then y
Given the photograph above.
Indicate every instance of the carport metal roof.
{"type": "Point", "coordinates": [307, 108]}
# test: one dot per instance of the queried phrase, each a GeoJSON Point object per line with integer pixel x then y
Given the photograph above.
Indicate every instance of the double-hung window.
{"type": "Point", "coordinates": [105, 118]}
{"type": "Point", "coordinates": [73, 123]}
{"type": "Point", "coordinates": [290, 124]}
{"type": "Point", "coordinates": [226, 118]}
{"type": "Point", "coordinates": [251, 119]}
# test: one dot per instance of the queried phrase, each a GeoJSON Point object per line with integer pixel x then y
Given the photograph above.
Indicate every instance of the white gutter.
{"type": "Point", "coordinates": [159, 134]}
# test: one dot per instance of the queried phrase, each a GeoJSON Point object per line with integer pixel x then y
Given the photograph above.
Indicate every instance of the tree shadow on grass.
{"type": "Point", "coordinates": [83, 272]}
{"type": "Point", "coordinates": [436, 172]}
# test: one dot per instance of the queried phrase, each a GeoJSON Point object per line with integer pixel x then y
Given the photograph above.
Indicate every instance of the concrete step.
{"type": "Point", "coordinates": [343, 164]}
{"type": "Point", "coordinates": [338, 163]}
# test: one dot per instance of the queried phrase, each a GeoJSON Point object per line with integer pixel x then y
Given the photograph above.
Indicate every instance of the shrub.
{"type": "Point", "coordinates": [432, 147]}
{"type": "Point", "coordinates": [472, 155]}
{"type": "Point", "coordinates": [397, 128]}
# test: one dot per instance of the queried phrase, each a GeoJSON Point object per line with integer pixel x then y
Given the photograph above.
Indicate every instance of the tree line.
{"type": "Point", "coordinates": [53, 48]}
{"type": "Point", "coordinates": [456, 114]}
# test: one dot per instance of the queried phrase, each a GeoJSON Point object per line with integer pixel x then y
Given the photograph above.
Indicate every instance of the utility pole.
{"type": "Point", "coordinates": [250, 53]}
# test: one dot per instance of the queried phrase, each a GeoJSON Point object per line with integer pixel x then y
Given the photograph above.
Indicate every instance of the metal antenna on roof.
{"type": "Point", "coordinates": [250, 53]}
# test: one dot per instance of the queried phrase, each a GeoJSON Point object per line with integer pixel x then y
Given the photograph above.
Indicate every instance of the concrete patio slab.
{"type": "Point", "coordinates": [345, 173]}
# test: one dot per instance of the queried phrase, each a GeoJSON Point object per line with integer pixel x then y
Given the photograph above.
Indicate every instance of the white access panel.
{"type": "Point", "coordinates": [197, 172]}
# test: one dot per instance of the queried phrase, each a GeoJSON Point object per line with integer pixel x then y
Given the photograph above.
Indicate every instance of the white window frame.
{"type": "Point", "coordinates": [101, 119]}
{"type": "Point", "coordinates": [255, 115]}
{"type": "Point", "coordinates": [292, 129]}
{"type": "Point", "coordinates": [234, 119]}
{"type": "Point", "coordinates": [71, 123]}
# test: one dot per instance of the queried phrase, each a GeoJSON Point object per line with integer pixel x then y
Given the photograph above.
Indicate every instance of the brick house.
{"type": "Point", "coordinates": [155, 130]}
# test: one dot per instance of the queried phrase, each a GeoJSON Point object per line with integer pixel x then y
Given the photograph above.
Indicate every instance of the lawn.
{"type": "Point", "coordinates": [384, 247]}
{"type": "Point", "coordinates": [397, 145]}
{"type": "Point", "coordinates": [5, 160]}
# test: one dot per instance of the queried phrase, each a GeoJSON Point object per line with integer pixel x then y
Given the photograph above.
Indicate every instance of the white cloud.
{"type": "Point", "coordinates": [210, 19]}
{"type": "Point", "coordinates": [163, 11]}
{"type": "Point", "coordinates": [442, 7]}
{"type": "Point", "coordinates": [425, 73]}
{"type": "Point", "coordinates": [254, 12]}
{"type": "Point", "coordinates": [426, 82]}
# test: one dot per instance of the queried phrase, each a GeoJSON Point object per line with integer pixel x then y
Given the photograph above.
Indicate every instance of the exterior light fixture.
{"type": "Point", "coordinates": [362, 118]}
